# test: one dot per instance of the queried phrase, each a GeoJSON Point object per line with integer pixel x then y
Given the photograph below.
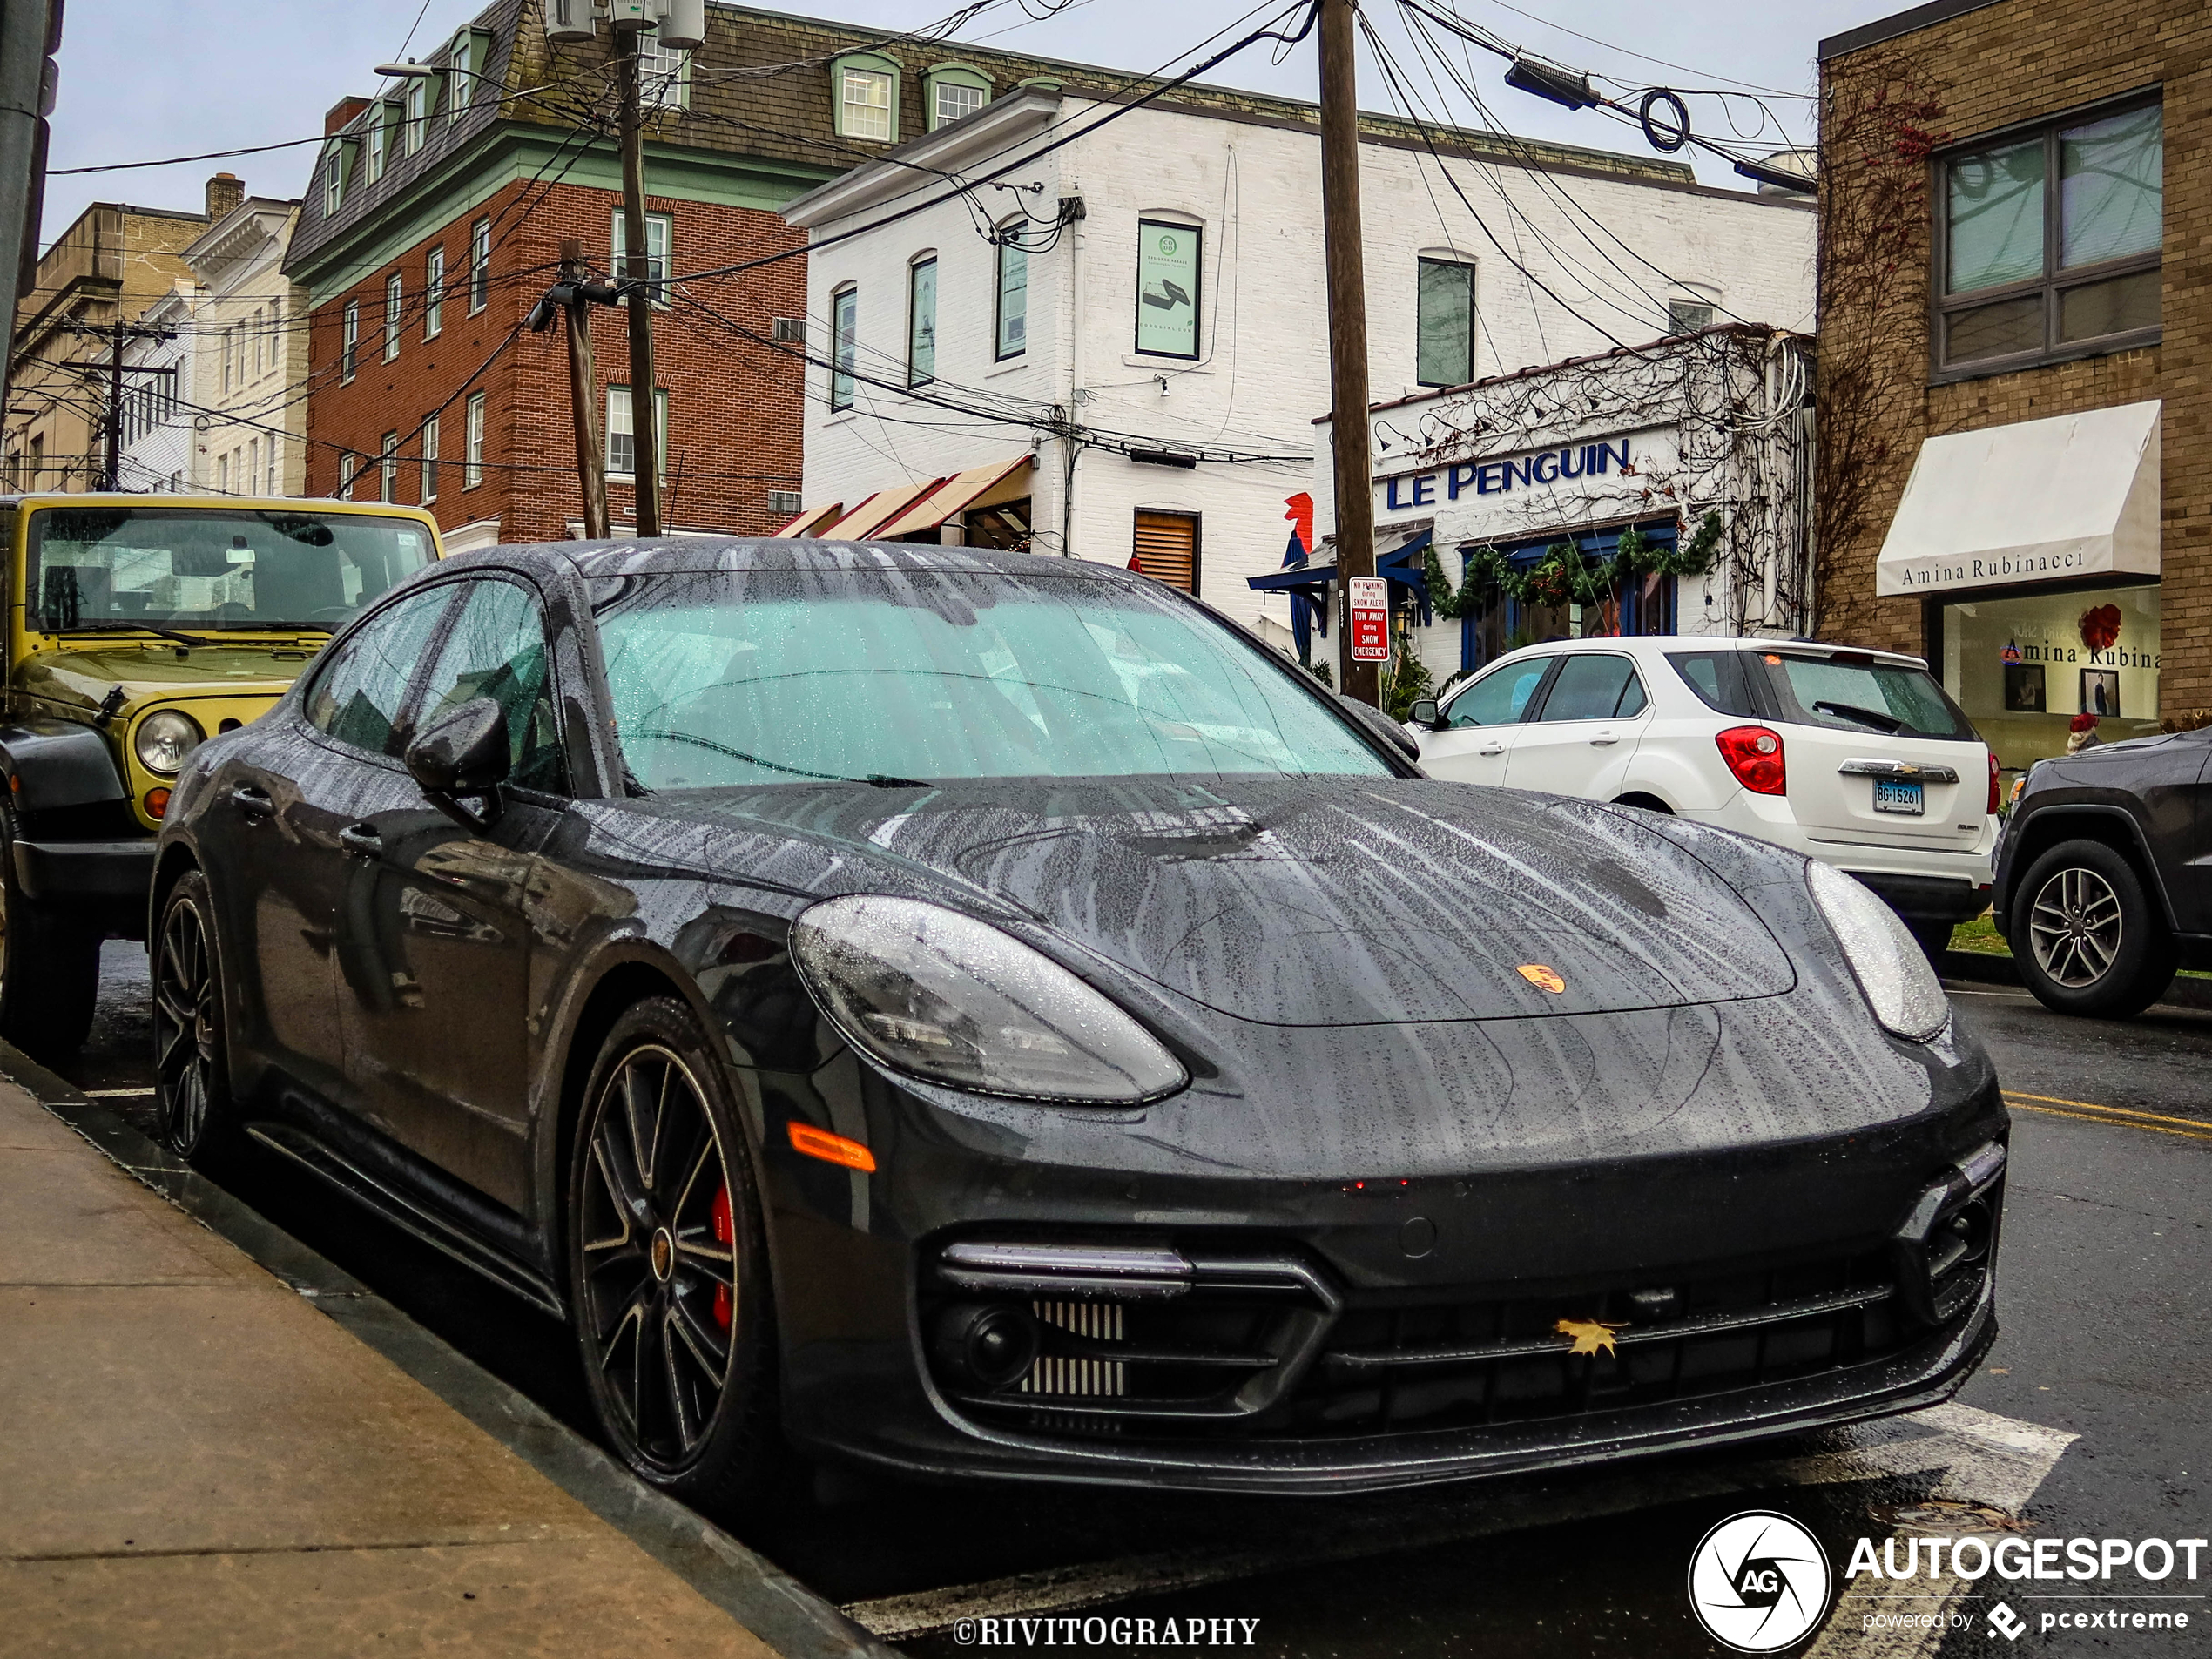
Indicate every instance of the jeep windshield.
{"type": "Point", "coordinates": [106, 569]}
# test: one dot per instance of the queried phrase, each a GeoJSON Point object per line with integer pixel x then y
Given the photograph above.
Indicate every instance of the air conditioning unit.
{"type": "Point", "coordinates": [789, 331]}
{"type": "Point", "coordinates": [683, 23]}
{"type": "Point", "coordinates": [568, 21]}
{"type": "Point", "coordinates": [785, 501]}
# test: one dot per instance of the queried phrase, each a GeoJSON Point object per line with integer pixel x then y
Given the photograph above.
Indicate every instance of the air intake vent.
{"type": "Point", "coordinates": [1094, 1378]}
{"type": "Point", "coordinates": [790, 331]}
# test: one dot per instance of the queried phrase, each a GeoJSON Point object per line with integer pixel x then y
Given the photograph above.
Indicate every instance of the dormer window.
{"type": "Point", "coordinates": [865, 86]}
{"type": "Point", "coordinates": [951, 91]}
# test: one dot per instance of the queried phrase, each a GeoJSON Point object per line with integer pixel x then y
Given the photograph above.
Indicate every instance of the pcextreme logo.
{"type": "Point", "coordinates": [1759, 1583]}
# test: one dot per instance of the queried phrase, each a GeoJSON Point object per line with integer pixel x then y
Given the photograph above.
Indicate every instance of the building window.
{"type": "Point", "coordinates": [660, 230]}
{"type": "Point", "coordinates": [663, 75]}
{"type": "Point", "coordinates": [1012, 332]}
{"type": "Point", "coordinates": [622, 438]}
{"type": "Point", "coordinates": [1444, 326]}
{"type": "Point", "coordinates": [950, 91]}
{"type": "Point", "coordinates": [434, 292]}
{"type": "Point", "coordinates": [2050, 241]}
{"type": "Point", "coordinates": [431, 460]}
{"type": "Point", "coordinates": [418, 115]}
{"type": "Point", "coordinates": [479, 266]}
{"type": "Point", "coordinates": [1167, 548]}
{"type": "Point", "coordinates": [921, 322]}
{"type": "Point", "coordinates": [350, 352]}
{"type": "Point", "coordinates": [867, 86]}
{"type": "Point", "coordinates": [269, 454]}
{"type": "Point", "coordinates": [223, 475]}
{"type": "Point", "coordinates": [348, 465]}
{"type": "Point", "coordinates": [388, 468]}
{"type": "Point", "coordinates": [1688, 316]}
{"type": "Point", "coordinates": [380, 140]}
{"type": "Point", "coordinates": [333, 177]}
{"type": "Point", "coordinates": [260, 325]}
{"type": "Point", "coordinates": [467, 58]}
{"type": "Point", "coordinates": [845, 327]}
{"type": "Point", "coordinates": [252, 477]}
{"type": "Point", "coordinates": [785, 502]}
{"type": "Point", "coordinates": [394, 302]}
{"type": "Point", "coordinates": [1167, 289]}
{"type": "Point", "coordinates": [472, 444]}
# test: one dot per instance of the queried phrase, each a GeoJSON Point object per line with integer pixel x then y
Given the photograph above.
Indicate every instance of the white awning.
{"type": "Point", "coordinates": [2038, 501]}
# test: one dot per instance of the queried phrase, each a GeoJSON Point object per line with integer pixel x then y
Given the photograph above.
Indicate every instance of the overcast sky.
{"type": "Point", "coordinates": [148, 78]}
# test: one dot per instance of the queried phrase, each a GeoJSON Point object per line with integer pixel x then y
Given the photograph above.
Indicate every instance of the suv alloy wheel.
{"type": "Point", "coordinates": [2089, 939]}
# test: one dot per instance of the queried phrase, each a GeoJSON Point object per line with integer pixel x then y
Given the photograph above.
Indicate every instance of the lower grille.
{"type": "Point", "coordinates": [1054, 1373]}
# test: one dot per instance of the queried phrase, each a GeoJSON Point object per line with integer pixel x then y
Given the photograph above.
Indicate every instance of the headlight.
{"type": "Point", "coordinates": [942, 995]}
{"type": "Point", "coordinates": [1892, 970]}
{"type": "Point", "coordinates": [165, 738]}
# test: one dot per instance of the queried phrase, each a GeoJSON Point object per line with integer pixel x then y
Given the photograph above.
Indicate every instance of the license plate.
{"type": "Point", "coordinates": [1891, 796]}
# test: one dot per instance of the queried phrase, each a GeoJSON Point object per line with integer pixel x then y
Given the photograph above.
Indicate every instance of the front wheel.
{"type": "Point", "coordinates": [192, 1072]}
{"type": "Point", "coordinates": [2087, 936]}
{"type": "Point", "coordinates": [49, 969]}
{"type": "Point", "coordinates": [667, 1266]}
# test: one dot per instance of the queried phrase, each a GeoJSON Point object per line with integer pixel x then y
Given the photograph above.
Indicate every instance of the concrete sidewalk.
{"type": "Point", "coordinates": [195, 1460]}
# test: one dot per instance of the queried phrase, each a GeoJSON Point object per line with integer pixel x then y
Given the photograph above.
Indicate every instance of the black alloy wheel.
{"type": "Point", "coordinates": [49, 967]}
{"type": "Point", "coordinates": [192, 1081]}
{"type": "Point", "coordinates": [668, 1286]}
{"type": "Point", "coordinates": [2087, 936]}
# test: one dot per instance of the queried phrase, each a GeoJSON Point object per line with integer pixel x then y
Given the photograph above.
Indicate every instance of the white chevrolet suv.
{"type": "Point", "coordinates": [1857, 758]}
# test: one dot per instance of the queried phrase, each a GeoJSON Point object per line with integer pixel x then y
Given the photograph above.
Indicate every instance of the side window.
{"type": "Point", "coordinates": [361, 691]}
{"type": "Point", "coordinates": [496, 648]}
{"type": "Point", "coordinates": [1500, 697]}
{"type": "Point", "coordinates": [1593, 685]}
{"type": "Point", "coordinates": [1717, 677]}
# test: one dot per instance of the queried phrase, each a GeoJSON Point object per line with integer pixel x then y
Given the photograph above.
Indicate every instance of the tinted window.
{"type": "Point", "coordinates": [1499, 698]}
{"type": "Point", "coordinates": [1594, 686]}
{"type": "Point", "coordinates": [360, 690]}
{"type": "Point", "coordinates": [109, 567]}
{"type": "Point", "coordinates": [1859, 694]}
{"type": "Point", "coordinates": [896, 671]}
{"type": "Point", "coordinates": [1717, 677]}
{"type": "Point", "coordinates": [496, 648]}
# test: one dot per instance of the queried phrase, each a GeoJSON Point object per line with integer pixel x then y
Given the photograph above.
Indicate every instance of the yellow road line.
{"type": "Point", "coordinates": [2113, 1122]}
{"type": "Point", "coordinates": [2122, 1111]}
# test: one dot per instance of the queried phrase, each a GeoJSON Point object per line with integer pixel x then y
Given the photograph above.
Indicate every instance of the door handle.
{"type": "Point", "coordinates": [361, 841]}
{"type": "Point", "coordinates": [1492, 749]}
{"type": "Point", "coordinates": [1604, 738]}
{"type": "Point", "coordinates": [253, 803]}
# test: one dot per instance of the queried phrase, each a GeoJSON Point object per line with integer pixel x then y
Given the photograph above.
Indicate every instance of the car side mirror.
{"type": "Point", "coordinates": [465, 752]}
{"type": "Point", "coordinates": [1382, 725]}
{"type": "Point", "coordinates": [1423, 714]}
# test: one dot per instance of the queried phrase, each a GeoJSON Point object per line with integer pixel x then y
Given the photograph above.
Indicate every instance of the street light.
{"type": "Point", "coordinates": [410, 70]}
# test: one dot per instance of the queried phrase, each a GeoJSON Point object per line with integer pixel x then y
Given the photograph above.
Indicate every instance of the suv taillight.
{"type": "Point", "coordinates": [1993, 797]}
{"type": "Point", "coordinates": [1754, 754]}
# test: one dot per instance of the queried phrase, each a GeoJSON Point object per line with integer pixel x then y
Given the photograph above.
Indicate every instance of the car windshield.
{"type": "Point", "coordinates": [779, 676]}
{"type": "Point", "coordinates": [103, 569]}
{"type": "Point", "coordinates": [1864, 695]}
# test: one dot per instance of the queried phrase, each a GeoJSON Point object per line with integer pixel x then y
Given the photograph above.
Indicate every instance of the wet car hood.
{"type": "Point", "coordinates": [154, 669]}
{"type": "Point", "coordinates": [1310, 902]}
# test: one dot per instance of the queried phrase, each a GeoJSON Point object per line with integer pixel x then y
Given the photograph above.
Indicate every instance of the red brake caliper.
{"type": "Point", "coordinates": [724, 1233]}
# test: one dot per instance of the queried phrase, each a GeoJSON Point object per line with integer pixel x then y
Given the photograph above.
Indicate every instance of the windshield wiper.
{"type": "Point", "coordinates": [1887, 723]}
{"type": "Point", "coordinates": [133, 628]}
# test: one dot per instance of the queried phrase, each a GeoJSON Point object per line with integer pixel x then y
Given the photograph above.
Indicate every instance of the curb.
{"type": "Point", "coordinates": [754, 1592]}
{"type": "Point", "coordinates": [1986, 968]}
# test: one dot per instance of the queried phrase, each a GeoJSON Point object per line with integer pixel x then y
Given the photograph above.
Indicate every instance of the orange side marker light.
{"type": "Point", "coordinates": [830, 1148]}
{"type": "Point", "coordinates": [1542, 977]}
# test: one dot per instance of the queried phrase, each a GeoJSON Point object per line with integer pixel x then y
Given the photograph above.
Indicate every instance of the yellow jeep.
{"type": "Point", "coordinates": [138, 627]}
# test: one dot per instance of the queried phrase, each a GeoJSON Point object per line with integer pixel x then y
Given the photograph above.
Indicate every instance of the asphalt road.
{"type": "Point", "coordinates": [2107, 1336]}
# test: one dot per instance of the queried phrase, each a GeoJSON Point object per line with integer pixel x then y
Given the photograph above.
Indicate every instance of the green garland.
{"type": "Point", "coordinates": [1562, 575]}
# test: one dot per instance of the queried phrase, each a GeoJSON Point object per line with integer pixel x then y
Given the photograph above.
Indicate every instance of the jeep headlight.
{"type": "Point", "coordinates": [164, 738]}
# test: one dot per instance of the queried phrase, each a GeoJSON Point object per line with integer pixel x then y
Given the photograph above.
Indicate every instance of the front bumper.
{"type": "Point", "coordinates": [1927, 897]}
{"type": "Point", "coordinates": [1412, 1336]}
{"type": "Point", "coordinates": [69, 872]}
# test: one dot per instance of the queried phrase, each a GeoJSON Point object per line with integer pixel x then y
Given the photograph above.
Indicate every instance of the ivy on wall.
{"type": "Point", "coordinates": [1562, 576]}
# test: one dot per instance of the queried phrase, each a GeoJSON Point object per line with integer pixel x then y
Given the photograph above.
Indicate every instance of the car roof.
{"type": "Point", "coordinates": [694, 553]}
{"type": "Point", "coordinates": [244, 504]}
{"type": "Point", "coordinates": [1654, 645]}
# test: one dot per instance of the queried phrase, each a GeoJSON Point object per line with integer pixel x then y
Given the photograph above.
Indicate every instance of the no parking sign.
{"type": "Point", "coordinates": [1370, 619]}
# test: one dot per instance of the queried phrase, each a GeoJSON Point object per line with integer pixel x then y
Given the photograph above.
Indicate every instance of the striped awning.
{"type": "Point", "coordinates": [959, 492]}
{"type": "Point", "coordinates": [879, 510]}
{"type": "Point", "coordinates": [909, 509]}
{"type": "Point", "coordinates": [811, 522]}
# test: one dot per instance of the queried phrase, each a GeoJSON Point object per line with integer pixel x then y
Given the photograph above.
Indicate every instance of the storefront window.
{"type": "Point", "coordinates": [2024, 668]}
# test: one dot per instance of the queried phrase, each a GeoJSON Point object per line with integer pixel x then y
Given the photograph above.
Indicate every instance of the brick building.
{"type": "Point", "coordinates": [434, 221]}
{"type": "Point", "coordinates": [2014, 414]}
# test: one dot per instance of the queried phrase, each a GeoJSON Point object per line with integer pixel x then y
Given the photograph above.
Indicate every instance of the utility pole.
{"type": "Point", "coordinates": [583, 394]}
{"type": "Point", "coordinates": [1347, 336]}
{"type": "Point", "coordinates": [29, 34]}
{"type": "Point", "coordinates": [117, 335]}
{"type": "Point", "coordinates": [644, 406]}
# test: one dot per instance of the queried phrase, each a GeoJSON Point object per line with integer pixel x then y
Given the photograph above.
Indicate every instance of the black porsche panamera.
{"type": "Point", "coordinates": [980, 1014]}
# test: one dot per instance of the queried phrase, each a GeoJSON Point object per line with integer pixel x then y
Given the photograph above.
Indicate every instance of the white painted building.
{"type": "Point", "coordinates": [249, 357]}
{"type": "Point", "coordinates": [158, 423]}
{"type": "Point", "coordinates": [1152, 334]}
